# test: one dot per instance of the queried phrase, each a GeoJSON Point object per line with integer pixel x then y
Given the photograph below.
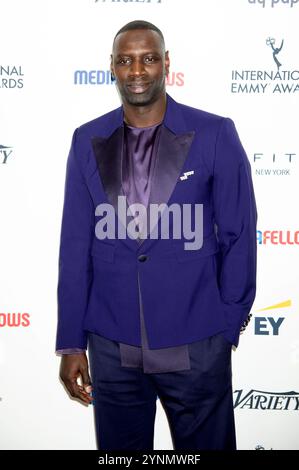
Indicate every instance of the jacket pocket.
{"type": "Point", "coordinates": [209, 247]}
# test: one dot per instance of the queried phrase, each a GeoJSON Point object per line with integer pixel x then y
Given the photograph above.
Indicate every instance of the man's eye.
{"type": "Point", "coordinates": [123, 61]}
{"type": "Point", "coordinates": [149, 60]}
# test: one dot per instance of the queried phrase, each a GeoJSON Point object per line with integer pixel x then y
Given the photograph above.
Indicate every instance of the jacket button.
{"type": "Point", "coordinates": [142, 258]}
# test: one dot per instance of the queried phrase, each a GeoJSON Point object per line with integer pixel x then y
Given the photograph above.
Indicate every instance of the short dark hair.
{"type": "Point", "coordinates": [140, 24]}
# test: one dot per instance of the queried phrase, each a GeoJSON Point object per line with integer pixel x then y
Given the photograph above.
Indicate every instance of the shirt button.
{"type": "Point", "coordinates": [142, 258]}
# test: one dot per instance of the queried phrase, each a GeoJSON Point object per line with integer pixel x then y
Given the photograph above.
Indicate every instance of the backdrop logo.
{"type": "Point", "coordinates": [274, 3]}
{"type": "Point", "coordinates": [11, 76]}
{"type": "Point", "coordinates": [14, 319]}
{"type": "Point", "coordinates": [278, 237]}
{"type": "Point", "coordinates": [260, 447]}
{"type": "Point", "coordinates": [175, 78]}
{"type": "Point", "coordinates": [260, 400]}
{"type": "Point", "coordinates": [272, 160]}
{"type": "Point", "coordinates": [276, 81]}
{"type": "Point", "coordinates": [275, 50]}
{"type": "Point", "coordinates": [104, 77]}
{"type": "Point", "coordinates": [5, 152]}
{"type": "Point", "coordinates": [269, 325]}
{"type": "Point", "coordinates": [93, 77]}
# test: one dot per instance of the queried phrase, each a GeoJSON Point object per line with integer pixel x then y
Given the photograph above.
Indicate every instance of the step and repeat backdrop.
{"type": "Point", "coordinates": [236, 58]}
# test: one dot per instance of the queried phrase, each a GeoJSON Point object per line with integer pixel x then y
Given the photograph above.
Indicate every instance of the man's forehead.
{"type": "Point", "coordinates": [141, 38]}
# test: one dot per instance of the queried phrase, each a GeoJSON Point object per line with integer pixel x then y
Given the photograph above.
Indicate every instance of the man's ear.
{"type": "Point", "coordinates": [111, 66]}
{"type": "Point", "coordinates": [167, 63]}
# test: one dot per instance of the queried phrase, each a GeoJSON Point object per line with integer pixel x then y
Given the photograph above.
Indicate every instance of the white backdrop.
{"type": "Point", "coordinates": [43, 44]}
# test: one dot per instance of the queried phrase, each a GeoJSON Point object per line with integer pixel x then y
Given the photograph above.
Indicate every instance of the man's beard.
{"type": "Point", "coordinates": [149, 96]}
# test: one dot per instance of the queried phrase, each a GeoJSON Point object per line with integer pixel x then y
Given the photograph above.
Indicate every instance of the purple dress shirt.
{"type": "Point", "coordinates": [138, 166]}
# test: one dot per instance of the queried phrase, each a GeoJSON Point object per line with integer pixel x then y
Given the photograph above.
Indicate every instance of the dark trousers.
{"type": "Point", "coordinates": [198, 402]}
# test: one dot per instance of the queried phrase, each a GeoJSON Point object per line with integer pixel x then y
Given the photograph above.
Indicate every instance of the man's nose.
{"type": "Point", "coordinates": [137, 68]}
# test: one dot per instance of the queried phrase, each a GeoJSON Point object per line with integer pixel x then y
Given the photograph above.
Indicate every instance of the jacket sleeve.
{"type": "Point", "coordinates": [75, 271]}
{"type": "Point", "coordinates": [235, 216]}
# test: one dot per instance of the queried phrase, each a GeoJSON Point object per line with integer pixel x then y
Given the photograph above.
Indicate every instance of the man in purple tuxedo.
{"type": "Point", "coordinates": [158, 319]}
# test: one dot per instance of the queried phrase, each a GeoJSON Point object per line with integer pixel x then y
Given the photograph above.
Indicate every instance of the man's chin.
{"type": "Point", "coordinates": [139, 99]}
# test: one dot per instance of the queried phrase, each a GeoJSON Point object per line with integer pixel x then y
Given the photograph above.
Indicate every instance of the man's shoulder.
{"type": "Point", "coordinates": [200, 116]}
{"type": "Point", "coordinates": [100, 125]}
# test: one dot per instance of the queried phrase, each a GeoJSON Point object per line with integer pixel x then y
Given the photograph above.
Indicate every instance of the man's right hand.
{"type": "Point", "coordinates": [72, 367]}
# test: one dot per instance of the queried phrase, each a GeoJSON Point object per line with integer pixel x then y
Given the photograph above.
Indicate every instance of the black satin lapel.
{"type": "Point", "coordinates": [172, 153]}
{"type": "Point", "coordinates": [108, 153]}
{"type": "Point", "coordinates": [109, 156]}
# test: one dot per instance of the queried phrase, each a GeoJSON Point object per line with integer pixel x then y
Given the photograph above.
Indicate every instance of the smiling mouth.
{"type": "Point", "coordinates": [140, 87]}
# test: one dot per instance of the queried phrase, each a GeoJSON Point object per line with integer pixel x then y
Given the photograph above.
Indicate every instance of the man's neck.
{"type": "Point", "coordinates": [145, 116]}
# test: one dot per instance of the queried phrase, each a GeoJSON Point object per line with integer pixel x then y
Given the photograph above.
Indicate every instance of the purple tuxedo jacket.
{"type": "Point", "coordinates": [187, 295]}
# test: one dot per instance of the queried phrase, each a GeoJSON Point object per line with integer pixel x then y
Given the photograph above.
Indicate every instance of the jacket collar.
{"type": "Point", "coordinates": [173, 118]}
